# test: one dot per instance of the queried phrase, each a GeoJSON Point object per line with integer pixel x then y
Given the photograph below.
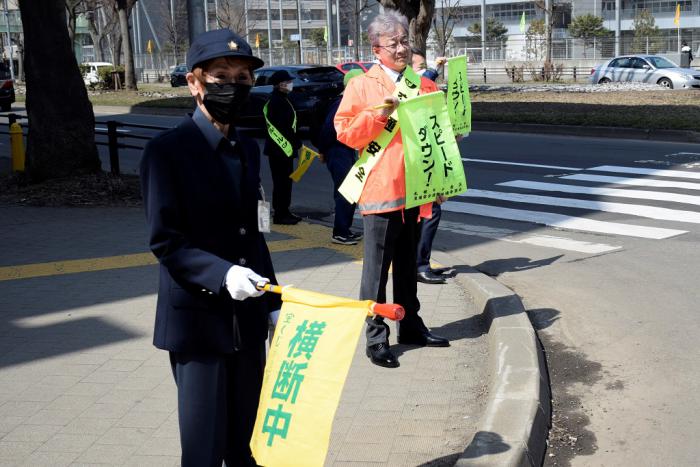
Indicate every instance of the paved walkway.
{"type": "Point", "coordinates": [81, 384]}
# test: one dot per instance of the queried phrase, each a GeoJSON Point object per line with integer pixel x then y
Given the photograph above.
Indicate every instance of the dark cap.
{"type": "Point", "coordinates": [279, 76]}
{"type": "Point", "coordinates": [220, 43]}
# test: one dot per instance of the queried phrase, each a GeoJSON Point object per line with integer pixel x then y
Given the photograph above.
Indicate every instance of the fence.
{"type": "Point", "coordinates": [516, 48]}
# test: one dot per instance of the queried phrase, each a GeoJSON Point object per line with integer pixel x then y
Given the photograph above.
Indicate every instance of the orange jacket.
{"type": "Point", "coordinates": [357, 125]}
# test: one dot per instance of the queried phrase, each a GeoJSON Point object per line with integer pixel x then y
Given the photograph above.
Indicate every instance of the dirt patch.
{"type": "Point", "coordinates": [84, 190]}
{"type": "Point", "coordinates": [568, 436]}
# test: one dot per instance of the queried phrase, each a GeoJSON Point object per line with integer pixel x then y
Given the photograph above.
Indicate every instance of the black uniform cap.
{"type": "Point", "coordinates": [220, 43]}
{"type": "Point", "coordinates": [279, 76]}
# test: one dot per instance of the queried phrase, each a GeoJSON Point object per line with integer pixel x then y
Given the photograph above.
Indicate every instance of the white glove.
{"type": "Point", "coordinates": [239, 285]}
{"type": "Point", "coordinates": [274, 316]}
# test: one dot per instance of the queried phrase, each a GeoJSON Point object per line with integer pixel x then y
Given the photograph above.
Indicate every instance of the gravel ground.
{"type": "Point", "coordinates": [564, 88]}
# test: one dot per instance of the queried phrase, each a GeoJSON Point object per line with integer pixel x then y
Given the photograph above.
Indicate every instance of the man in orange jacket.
{"type": "Point", "coordinates": [391, 231]}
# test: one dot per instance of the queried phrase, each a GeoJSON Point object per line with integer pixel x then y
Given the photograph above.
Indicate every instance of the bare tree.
{"type": "Point", "coordinates": [124, 8]}
{"type": "Point", "coordinates": [351, 11]}
{"type": "Point", "coordinates": [420, 17]}
{"type": "Point", "coordinates": [174, 23]}
{"type": "Point", "coordinates": [73, 8]}
{"type": "Point", "coordinates": [448, 12]}
{"type": "Point", "coordinates": [62, 140]}
{"type": "Point", "coordinates": [229, 16]}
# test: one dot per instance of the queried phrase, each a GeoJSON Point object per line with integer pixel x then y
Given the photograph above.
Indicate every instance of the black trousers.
{"type": "Point", "coordinates": [281, 167]}
{"type": "Point", "coordinates": [217, 401]}
{"type": "Point", "coordinates": [429, 228]}
{"type": "Point", "coordinates": [391, 238]}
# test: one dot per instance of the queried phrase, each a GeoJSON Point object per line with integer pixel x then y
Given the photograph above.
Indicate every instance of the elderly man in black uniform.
{"type": "Point", "coordinates": [281, 145]}
{"type": "Point", "coordinates": [200, 185]}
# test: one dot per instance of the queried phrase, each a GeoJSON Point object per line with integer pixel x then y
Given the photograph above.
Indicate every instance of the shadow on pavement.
{"type": "Point", "coordinates": [50, 316]}
{"type": "Point", "coordinates": [496, 267]}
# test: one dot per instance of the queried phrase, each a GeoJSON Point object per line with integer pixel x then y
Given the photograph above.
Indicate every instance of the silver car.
{"type": "Point", "coordinates": [646, 69]}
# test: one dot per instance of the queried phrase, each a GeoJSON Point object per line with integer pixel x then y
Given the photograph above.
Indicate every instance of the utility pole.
{"type": "Point", "coordinates": [301, 51]}
{"type": "Point", "coordinates": [483, 31]}
{"type": "Point", "coordinates": [9, 42]}
{"type": "Point", "coordinates": [337, 19]}
{"type": "Point", "coordinates": [329, 31]}
{"type": "Point", "coordinates": [195, 18]}
{"type": "Point", "coordinates": [269, 34]}
{"type": "Point", "coordinates": [206, 15]}
{"type": "Point", "coordinates": [618, 34]}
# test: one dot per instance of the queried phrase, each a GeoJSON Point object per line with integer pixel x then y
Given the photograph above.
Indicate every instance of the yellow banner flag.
{"type": "Point", "coordinates": [306, 157]}
{"type": "Point", "coordinates": [677, 19]}
{"type": "Point", "coordinates": [309, 359]}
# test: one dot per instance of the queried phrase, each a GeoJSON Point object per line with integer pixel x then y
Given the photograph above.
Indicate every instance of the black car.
{"type": "Point", "coordinates": [7, 88]}
{"type": "Point", "coordinates": [177, 76]}
{"type": "Point", "coordinates": [313, 85]}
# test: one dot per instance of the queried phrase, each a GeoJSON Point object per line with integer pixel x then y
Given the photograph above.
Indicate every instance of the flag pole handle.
{"type": "Point", "coordinates": [391, 311]}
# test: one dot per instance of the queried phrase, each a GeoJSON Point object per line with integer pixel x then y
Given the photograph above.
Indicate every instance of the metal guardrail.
{"type": "Point", "coordinates": [114, 131]}
{"type": "Point", "coordinates": [113, 134]}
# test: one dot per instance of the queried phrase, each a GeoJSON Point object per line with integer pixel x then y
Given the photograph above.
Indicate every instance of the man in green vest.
{"type": "Point", "coordinates": [281, 145]}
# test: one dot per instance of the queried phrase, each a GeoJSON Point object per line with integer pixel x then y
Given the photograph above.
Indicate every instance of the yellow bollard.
{"type": "Point", "coordinates": [17, 147]}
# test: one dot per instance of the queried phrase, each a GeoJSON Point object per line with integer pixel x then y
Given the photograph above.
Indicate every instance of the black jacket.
{"type": "Point", "coordinates": [281, 115]}
{"type": "Point", "coordinates": [199, 228]}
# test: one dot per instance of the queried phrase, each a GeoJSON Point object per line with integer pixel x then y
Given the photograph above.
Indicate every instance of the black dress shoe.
{"type": "Point", "coordinates": [427, 277]}
{"type": "Point", "coordinates": [379, 354]}
{"type": "Point", "coordinates": [285, 220]}
{"type": "Point", "coordinates": [438, 271]}
{"type": "Point", "coordinates": [291, 214]}
{"type": "Point", "coordinates": [425, 339]}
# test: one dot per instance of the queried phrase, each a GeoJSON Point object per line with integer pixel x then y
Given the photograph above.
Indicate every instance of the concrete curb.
{"type": "Point", "coordinates": [683, 136]}
{"type": "Point", "coordinates": [515, 425]}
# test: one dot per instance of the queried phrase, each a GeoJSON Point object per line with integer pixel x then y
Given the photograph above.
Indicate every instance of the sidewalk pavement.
{"type": "Point", "coordinates": [81, 384]}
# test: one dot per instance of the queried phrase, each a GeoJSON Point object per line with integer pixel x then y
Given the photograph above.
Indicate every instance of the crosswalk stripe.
{"type": "Point", "coordinates": [613, 192]}
{"type": "Point", "coordinates": [645, 171]}
{"type": "Point", "coordinates": [562, 221]}
{"type": "Point", "coordinates": [640, 210]}
{"type": "Point", "coordinates": [506, 235]}
{"type": "Point", "coordinates": [522, 164]}
{"type": "Point", "coordinates": [632, 181]}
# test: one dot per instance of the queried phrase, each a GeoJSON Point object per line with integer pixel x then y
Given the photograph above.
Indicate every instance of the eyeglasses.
{"type": "Point", "coordinates": [393, 47]}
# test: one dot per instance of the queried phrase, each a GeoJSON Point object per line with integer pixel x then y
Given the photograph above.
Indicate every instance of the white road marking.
{"type": "Point", "coordinates": [507, 235]}
{"type": "Point", "coordinates": [562, 221]}
{"type": "Point", "coordinates": [539, 166]}
{"type": "Point", "coordinates": [633, 181]}
{"type": "Point", "coordinates": [640, 210]}
{"type": "Point", "coordinates": [614, 192]}
{"type": "Point", "coordinates": [645, 171]}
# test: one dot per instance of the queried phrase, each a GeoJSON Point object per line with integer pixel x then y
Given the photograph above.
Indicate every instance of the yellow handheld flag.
{"type": "Point", "coordinates": [149, 46]}
{"type": "Point", "coordinates": [459, 104]}
{"type": "Point", "coordinates": [309, 359]}
{"type": "Point", "coordinates": [306, 157]}
{"type": "Point", "coordinates": [257, 40]}
{"type": "Point", "coordinates": [677, 19]}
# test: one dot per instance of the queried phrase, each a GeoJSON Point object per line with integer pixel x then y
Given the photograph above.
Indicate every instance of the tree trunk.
{"type": "Point", "coordinates": [117, 49]}
{"type": "Point", "coordinates": [129, 72]}
{"type": "Point", "coordinates": [420, 16]}
{"type": "Point", "coordinates": [62, 137]}
{"type": "Point", "coordinates": [96, 38]}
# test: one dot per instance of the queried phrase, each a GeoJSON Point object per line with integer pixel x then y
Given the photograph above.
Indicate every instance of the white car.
{"type": "Point", "coordinates": [652, 69]}
{"type": "Point", "coordinates": [92, 75]}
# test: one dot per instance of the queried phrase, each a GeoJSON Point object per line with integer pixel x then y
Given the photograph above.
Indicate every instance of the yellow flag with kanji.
{"type": "Point", "coordinates": [306, 157]}
{"type": "Point", "coordinates": [309, 359]}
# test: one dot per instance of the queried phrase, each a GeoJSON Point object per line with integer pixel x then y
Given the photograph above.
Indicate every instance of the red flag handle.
{"type": "Point", "coordinates": [389, 310]}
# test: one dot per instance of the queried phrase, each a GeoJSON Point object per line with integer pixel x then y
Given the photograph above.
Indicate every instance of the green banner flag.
{"type": "Point", "coordinates": [458, 101]}
{"type": "Point", "coordinates": [432, 159]}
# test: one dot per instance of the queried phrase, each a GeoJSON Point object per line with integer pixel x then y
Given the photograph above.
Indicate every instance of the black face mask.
{"type": "Point", "coordinates": [224, 101]}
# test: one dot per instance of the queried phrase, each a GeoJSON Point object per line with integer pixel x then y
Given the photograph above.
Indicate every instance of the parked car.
{"type": "Point", "coordinates": [646, 69]}
{"type": "Point", "coordinates": [312, 85]}
{"type": "Point", "coordinates": [177, 76]}
{"type": "Point", "coordinates": [347, 66]}
{"type": "Point", "coordinates": [7, 88]}
{"type": "Point", "coordinates": [92, 75]}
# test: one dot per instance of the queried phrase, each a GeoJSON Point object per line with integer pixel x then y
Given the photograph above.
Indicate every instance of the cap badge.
{"type": "Point", "coordinates": [232, 45]}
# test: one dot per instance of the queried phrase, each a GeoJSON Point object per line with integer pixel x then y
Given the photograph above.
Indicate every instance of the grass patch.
{"type": "Point", "coordinates": [667, 110]}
